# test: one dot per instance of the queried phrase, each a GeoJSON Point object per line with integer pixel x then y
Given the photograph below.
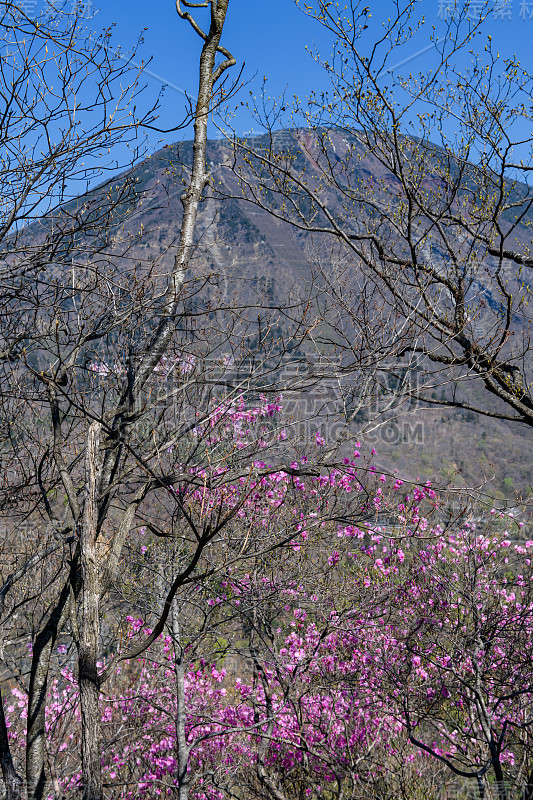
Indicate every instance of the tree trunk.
{"type": "Point", "coordinates": [500, 780]}
{"type": "Point", "coordinates": [199, 178]}
{"type": "Point", "coordinates": [181, 711]}
{"type": "Point", "coordinates": [12, 779]}
{"type": "Point", "coordinates": [90, 629]}
{"type": "Point", "coordinates": [42, 650]}
{"type": "Point", "coordinates": [528, 788]}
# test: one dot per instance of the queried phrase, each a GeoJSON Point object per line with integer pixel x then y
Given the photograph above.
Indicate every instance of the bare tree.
{"type": "Point", "coordinates": [62, 265]}
{"type": "Point", "coordinates": [117, 383]}
{"type": "Point", "coordinates": [65, 104]}
{"type": "Point", "coordinates": [416, 178]}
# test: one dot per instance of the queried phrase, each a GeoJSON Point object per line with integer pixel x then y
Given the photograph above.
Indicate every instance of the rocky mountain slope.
{"type": "Point", "coordinates": [252, 257]}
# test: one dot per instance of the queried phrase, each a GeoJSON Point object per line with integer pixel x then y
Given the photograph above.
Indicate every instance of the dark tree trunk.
{"type": "Point", "coordinates": [90, 629]}
{"type": "Point", "coordinates": [181, 710]}
{"type": "Point", "coordinates": [500, 781]}
{"type": "Point", "coordinates": [91, 730]}
{"type": "Point", "coordinates": [527, 794]}
{"type": "Point", "coordinates": [42, 649]}
{"type": "Point", "coordinates": [12, 780]}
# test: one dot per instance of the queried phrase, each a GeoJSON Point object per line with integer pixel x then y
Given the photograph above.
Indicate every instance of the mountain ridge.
{"type": "Point", "coordinates": [252, 257]}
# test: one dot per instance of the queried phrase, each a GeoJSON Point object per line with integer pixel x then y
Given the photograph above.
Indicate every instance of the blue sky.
{"type": "Point", "coordinates": [271, 37]}
{"type": "Point", "coordinates": [271, 44]}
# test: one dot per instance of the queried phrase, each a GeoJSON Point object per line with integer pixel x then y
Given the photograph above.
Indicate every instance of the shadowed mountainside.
{"type": "Point", "coordinates": [247, 256]}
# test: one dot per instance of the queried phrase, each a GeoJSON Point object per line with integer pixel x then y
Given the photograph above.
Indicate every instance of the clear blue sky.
{"type": "Point", "coordinates": [270, 36]}
{"type": "Point", "coordinates": [271, 43]}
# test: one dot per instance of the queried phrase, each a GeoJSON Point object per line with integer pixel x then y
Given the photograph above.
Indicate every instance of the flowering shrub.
{"type": "Point", "coordinates": [394, 640]}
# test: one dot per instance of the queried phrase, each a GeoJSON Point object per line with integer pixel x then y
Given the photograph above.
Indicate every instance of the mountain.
{"type": "Point", "coordinates": [252, 257]}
